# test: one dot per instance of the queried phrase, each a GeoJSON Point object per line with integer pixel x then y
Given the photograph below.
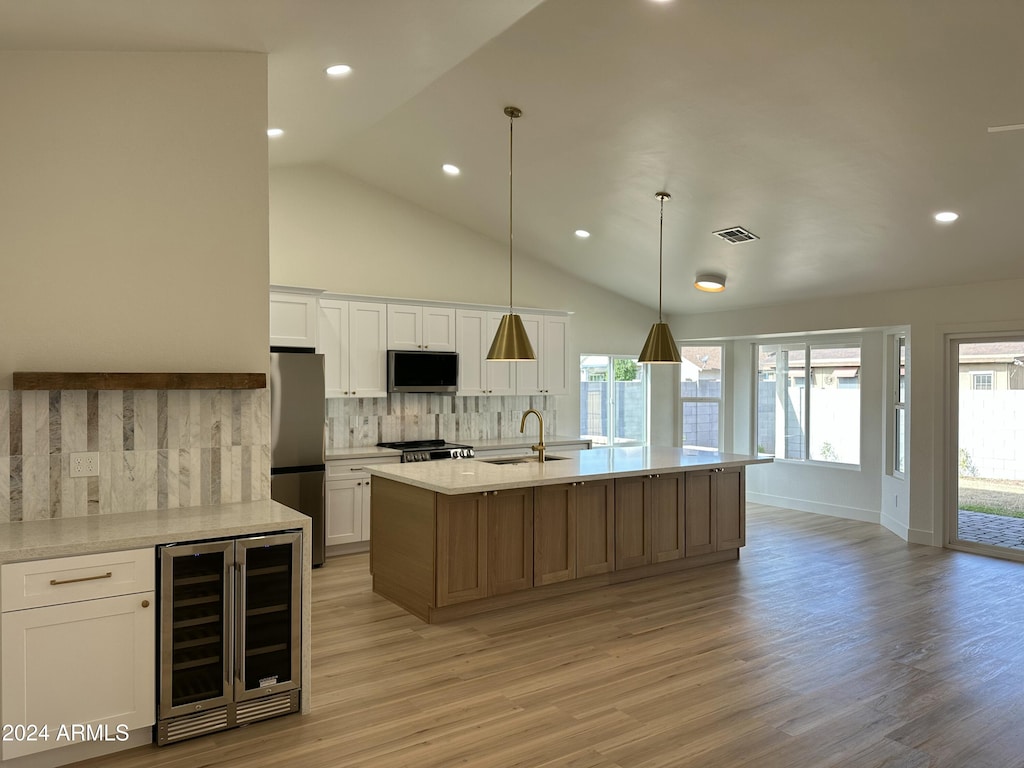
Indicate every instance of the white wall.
{"type": "Point", "coordinates": [930, 314]}
{"type": "Point", "coordinates": [332, 232]}
{"type": "Point", "coordinates": [133, 212]}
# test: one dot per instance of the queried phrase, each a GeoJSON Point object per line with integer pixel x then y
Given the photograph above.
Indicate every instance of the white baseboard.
{"type": "Point", "coordinates": [817, 507]}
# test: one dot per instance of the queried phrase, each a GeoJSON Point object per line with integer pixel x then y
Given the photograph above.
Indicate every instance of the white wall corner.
{"type": "Point", "coordinates": [816, 507]}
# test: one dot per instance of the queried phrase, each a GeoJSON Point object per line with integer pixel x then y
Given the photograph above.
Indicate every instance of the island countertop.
{"type": "Point", "coordinates": [455, 476]}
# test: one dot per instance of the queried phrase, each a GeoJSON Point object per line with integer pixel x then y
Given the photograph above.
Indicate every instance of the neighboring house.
{"type": "Point", "coordinates": [992, 366]}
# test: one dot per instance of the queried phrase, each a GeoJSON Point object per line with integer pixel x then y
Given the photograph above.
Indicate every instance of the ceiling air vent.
{"type": "Point", "coordinates": [735, 235]}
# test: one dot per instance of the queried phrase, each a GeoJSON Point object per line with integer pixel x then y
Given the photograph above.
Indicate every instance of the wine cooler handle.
{"type": "Point", "coordinates": [240, 591]}
{"type": "Point", "coordinates": [229, 625]}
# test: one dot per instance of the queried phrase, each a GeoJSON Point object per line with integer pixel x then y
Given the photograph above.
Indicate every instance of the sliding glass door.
{"type": "Point", "coordinates": [613, 400]}
{"type": "Point", "coordinates": [987, 395]}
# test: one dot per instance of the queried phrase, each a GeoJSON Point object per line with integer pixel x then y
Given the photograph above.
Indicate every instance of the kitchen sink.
{"type": "Point", "coordinates": [521, 459]}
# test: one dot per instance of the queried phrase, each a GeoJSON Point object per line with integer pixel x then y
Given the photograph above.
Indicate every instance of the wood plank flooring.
{"type": "Point", "coordinates": [830, 643]}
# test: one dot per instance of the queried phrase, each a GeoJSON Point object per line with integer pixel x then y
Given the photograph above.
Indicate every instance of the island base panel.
{"type": "Point", "coordinates": [438, 615]}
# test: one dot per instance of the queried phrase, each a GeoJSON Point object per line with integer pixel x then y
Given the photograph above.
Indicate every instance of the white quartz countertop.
{"type": "Point", "coordinates": [39, 539]}
{"type": "Point", "coordinates": [361, 452]}
{"type": "Point", "coordinates": [453, 476]}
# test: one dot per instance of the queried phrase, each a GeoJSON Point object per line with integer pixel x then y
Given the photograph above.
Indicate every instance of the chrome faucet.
{"type": "Point", "coordinates": [539, 447]}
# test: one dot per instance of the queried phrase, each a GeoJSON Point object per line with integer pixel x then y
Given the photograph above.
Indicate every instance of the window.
{"type": "Point", "coordinates": [981, 380]}
{"type": "Point", "coordinates": [613, 400]}
{"type": "Point", "coordinates": [808, 401]}
{"type": "Point", "coordinates": [700, 388]}
{"type": "Point", "coordinates": [899, 367]}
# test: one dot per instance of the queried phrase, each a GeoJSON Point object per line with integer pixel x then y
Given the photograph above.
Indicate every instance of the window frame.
{"type": "Point", "coordinates": [808, 343]}
{"type": "Point", "coordinates": [612, 421]}
{"type": "Point", "coordinates": [720, 400]}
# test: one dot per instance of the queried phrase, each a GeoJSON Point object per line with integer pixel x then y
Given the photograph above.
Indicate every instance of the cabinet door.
{"type": "Point", "coordinates": [292, 320]}
{"type": "Point", "coordinates": [367, 349]}
{"type": "Point", "coordinates": [632, 522]}
{"type": "Point", "coordinates": [554, 533]}
{"type": "Point", "coordinates": [499, 378]}
{"type": "Point", "coordinates": [554, 365]}
{"type": "Point", "coordinates": [730, 508]}
{"type": "Point", "coordinates": [473, 341]}
{"type": "Point", "coordinates": [509, 540]}
{"type": "Point", "coordinates": [461, 555]}
{"type": "Point", "coordinates": [699, 513]}
{"type": "Point", "coordinates": [332, 343]}
{"type": "Point", "coordinates": [595, 527]}
{"type": "Point", "coordinates": [89, 663]}
{"type": "Point", "coordinates": [405, 326]}
{"type": "Point", "coordinates": [528, 373]}
{"type": "Point", "coordinates": [343, 510]}
{"type": "Point", "coordinates": [668, 525]}
{"type": "Point", "coordinates": [439, 329]}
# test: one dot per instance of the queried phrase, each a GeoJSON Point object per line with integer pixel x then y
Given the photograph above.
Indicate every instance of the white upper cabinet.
{"type": "Point", "coordinates": [415, 327]}
{"type": "Point", "coordinates": [478, 376]}
{"type": "Point", "coordinates": [353, 341]}
{"type": "Point", "coordinates": [293, 320]}
{"type": "Point", "coordinates": [549, 374]}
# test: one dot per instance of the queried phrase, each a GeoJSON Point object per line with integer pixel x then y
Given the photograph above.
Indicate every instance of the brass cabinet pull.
{"type": "Point", "coordinates": [55, 582]}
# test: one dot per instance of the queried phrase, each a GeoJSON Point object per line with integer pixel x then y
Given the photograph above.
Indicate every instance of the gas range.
{"type": "Point", "coordinates": [429, 450]}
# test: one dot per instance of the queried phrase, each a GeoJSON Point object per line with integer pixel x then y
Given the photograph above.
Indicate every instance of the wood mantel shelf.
{"type": "Point", "coordinates": [25, 380]}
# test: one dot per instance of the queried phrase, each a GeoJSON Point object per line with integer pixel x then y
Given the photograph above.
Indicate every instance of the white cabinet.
{"type": "Point", "coordinates": [353, 341]}
{"type": "Point", "coordinates": [475, 330]}
{"type": "Point", "coordinates": [414, 327]}
{"type": "Point", "coordinates": [293, 320]}
{"type": "Point", "coordinates": [347, 500]}
{"type": "Point", "coordinates": [549, 374]}
{"type": "Point", "coordinates": [79, 646]}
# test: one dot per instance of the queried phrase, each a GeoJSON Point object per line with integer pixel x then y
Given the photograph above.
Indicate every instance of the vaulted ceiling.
{"type": "Point", "coordinates": [832, 130]}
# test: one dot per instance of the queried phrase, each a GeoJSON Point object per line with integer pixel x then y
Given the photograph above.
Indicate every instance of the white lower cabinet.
{"type": "Point", "coordinates": [347, 500]}
{"type": "Point", "coordinates": [347, 504]}
{"type": "Point", "coordinates": [77, 660]}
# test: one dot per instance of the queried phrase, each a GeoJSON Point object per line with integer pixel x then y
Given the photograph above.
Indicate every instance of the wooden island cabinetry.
{"type": "Point", "coordinates": [444, 555]}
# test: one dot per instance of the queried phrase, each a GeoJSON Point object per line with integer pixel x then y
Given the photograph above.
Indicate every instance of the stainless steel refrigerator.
{"type": "Point", "coordinates": [297, 419]}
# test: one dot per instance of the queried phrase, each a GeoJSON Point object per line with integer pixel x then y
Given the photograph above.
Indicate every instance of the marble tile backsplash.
{"type": "Point", "coordinates": [357, 422]}
{"type": "Point", "coordinates": [158, 449]}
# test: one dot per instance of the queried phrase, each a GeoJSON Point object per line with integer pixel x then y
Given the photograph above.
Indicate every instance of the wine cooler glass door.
{"type": "Point", "coordinates": [268, 645]}
{"type": "Point", "coordinates": [196, 593]}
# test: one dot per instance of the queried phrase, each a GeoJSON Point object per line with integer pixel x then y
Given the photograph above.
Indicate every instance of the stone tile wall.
{"type": "Point", "coordinates": [158, 449]}
{"type": "Point", "coordinates": [355, 422]}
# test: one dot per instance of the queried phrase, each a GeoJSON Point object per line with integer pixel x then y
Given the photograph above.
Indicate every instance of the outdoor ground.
{"type": "Point", "coordinates": [1001, 497]}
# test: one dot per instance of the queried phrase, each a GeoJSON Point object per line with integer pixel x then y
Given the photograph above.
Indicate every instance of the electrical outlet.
{"type": "Point", "coordinates": [85, 464]}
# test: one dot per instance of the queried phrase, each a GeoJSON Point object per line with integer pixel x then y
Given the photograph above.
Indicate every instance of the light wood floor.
{"type": "Point", "coordinates": [830, 643]}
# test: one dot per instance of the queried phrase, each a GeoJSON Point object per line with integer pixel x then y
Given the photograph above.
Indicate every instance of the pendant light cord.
{"type": "Point", "coordinates": [661, 236]}
{"type": "Point", "coordinates": [511, 119]}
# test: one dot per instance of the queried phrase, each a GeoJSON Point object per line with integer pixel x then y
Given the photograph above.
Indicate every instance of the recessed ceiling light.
{"type": "Point", "coordinates": [338, 70]}
{"type": "Point", "coordinates": [947, 216]}
{"type": "Point", "coordinates": [582, 234]}
{"type": "Point", "coordinates": [710, 283]}
{"type": "Point", "coordinates": [451, 170]}
{"type": "Point", "coordinates": [275, 132]}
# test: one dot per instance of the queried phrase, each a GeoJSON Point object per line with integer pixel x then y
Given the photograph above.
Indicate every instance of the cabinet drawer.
{"type": "Point", "coordinates": [69, 579]}
{"type": "Point", "coordinates": [346, 470]}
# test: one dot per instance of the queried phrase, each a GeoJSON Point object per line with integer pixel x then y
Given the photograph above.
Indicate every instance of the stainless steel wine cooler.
{"type": "Point", "coordinates": [230, 644]}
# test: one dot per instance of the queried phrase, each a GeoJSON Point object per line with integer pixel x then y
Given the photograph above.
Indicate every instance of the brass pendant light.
{"type": "Point", "coordinates": [660, 347]}
{"type": "Point", "coordinates": [510, 341]}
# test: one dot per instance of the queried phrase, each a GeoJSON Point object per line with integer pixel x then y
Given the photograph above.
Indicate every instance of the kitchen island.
{"type": "Point", "coordinates": [457, 537]}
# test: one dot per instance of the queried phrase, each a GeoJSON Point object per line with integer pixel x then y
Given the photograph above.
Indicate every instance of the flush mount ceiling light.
{"type": "Point", "coordinates": [273, 133]}
{"type": "Point", "coordinates": [582, 234]}
{"type": "Point", "coordinates": [945, 217]}
{"type": "Point", "coordinates": [338, 70]}
{"type": "Point", "coordinates": [451, 170]}
{"type": "Point", "coordinates": [660, 346]}
{"type": "Point", "coordinates": [510, 341]}
{"type": "Point", "coordinates": [709, 283]}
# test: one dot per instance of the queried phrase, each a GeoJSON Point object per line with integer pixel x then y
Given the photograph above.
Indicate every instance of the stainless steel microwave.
{"type": "Point", "coordinates": [422, 371]}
